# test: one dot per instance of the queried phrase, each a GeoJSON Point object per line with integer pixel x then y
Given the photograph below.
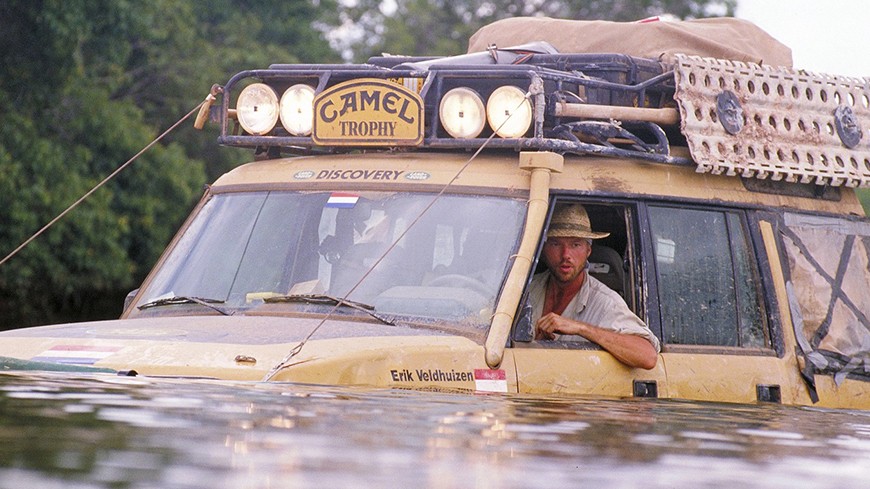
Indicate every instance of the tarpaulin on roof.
{"type": "Point", "coordinates": [829, 296]}
{"type": "Point", "coordinates": [721, 37]}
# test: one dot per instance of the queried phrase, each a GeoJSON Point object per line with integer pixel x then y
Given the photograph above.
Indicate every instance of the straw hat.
{"type": "Point", "coordinates": [572, 221]}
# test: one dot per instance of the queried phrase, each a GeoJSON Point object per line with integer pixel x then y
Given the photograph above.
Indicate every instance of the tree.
{"type": "Point", "coordinates": [442, 27]}
{"type": "Point", "coordinates": [864, 197]}
{"type": "Point", "coordinates": [86, 85]}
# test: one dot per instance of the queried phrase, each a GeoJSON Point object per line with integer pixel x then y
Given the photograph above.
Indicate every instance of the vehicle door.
{"type": "Point", "coordinates": [582, 367]}
{"type": "Point", "coordinates": [720, 340]}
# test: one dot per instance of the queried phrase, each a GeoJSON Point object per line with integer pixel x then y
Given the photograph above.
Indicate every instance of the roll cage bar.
{"type": "Point", "coordinates": [553, 81]}
{"type": "Point", "coordinates": [733, 118]}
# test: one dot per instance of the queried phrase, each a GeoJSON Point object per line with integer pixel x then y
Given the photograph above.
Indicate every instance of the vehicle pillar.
{"type": "Point", "coordinates": [540, 165]}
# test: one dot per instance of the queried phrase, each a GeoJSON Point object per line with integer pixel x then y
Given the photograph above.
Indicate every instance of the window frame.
{"type": "Point", "coordinates": [749, 220]}
{"type": "Point", "coordinates": [636, 294]}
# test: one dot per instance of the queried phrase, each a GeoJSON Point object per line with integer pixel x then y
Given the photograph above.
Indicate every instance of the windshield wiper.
{"type": "Point", "coordinates": [184, 299]}
{"type": "Point", "coordinates": [330, 300]}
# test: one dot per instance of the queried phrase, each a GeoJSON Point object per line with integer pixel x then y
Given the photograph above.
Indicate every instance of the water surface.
{"type": "Point", "coordinates": [82, 431]}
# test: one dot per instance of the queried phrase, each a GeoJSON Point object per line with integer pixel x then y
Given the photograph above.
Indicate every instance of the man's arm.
{"type": "Point", "coordinates": [632, 350]}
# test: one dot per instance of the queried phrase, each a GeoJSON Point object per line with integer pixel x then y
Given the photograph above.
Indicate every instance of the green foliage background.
{"type": "Point", "coordinates": [442, 27]}
{"type": "Point", "coordinates": [85, 84]}
{"type": "Point", "coordinates": [864, 197]}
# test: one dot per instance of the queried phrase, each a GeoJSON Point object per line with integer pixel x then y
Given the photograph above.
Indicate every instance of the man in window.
{"type": "Point", "coordinates": [566, 300]}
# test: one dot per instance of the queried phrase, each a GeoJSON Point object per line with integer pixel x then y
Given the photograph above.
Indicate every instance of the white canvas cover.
{"type": "Point", "coordinates": [720, 37]}
{"type": "Point", "coordinates": [829, 296]}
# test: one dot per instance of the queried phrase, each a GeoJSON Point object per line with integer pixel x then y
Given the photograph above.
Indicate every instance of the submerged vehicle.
{"type": "Point", "coordinates": [389, 227]}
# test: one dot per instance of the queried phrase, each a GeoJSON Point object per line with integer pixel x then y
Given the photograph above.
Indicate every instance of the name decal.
{"type": "Point", "coordinates": [359, 174]}
{"type": "Point", "coordinates": [485, 380]}
{"type": "Point", "coordinates": [430, 375]}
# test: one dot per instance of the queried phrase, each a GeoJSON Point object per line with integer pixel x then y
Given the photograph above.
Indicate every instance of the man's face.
{"type": "Point", "coordinates": [566, 257]}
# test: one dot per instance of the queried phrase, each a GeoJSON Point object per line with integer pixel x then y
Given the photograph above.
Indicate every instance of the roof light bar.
{"type": "Point", "coordinates": [297, 109]}
{"type": "Point", "coordinates": [257, 109]}
{"type": "Point", "coordinates": [462, 113]}
{"type": "Point", "coordinates": [509, 112]}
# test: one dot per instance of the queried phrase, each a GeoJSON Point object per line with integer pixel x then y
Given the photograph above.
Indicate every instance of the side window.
{"type": "Point", "coordinates": [708, 285]}
{"type": "Point", "coordinates": [611, 261]}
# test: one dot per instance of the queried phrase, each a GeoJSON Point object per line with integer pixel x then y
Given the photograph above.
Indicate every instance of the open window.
{"type": "Point", "coordinates": [707, 279]}
{"type": "Point", "coordinates": [612, 261]}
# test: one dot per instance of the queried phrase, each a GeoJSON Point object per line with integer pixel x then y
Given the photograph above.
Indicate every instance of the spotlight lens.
{"type": "Point", "coordinates": [509, 112]}
{"type": "Point", "coordinates": [257, 109]}
{"type": "Point", "coordinates": [297, 110]}
{"type": "Point", "coordinates": [461, 113]}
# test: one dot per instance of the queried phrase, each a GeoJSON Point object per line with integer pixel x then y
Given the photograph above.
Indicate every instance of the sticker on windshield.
{"type": "Point", "coordinates": [486, 380]}
{"type": "Point", "coordinates": [342, 200]}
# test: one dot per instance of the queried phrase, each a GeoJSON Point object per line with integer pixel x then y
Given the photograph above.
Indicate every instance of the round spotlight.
{"type": "Point", "coordinates": [297, 110]}
{"type": "Point", "coordinates": [462, 113]}
{"type": "Point", "coordinates": [509, 112]}
{"type": "Point", "coordinates": [257, 109]}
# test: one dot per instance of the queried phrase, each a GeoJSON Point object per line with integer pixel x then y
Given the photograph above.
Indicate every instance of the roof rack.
{"type": "Point", "coordinates": [735, 118]}
{"type": "Point", "coordinates": [569, 83]}
{"type": "Point", "coordinates": [774, 123]}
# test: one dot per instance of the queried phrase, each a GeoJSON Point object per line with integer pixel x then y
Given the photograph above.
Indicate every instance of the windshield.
{"type": "Point", "coordinates": [246, 248]}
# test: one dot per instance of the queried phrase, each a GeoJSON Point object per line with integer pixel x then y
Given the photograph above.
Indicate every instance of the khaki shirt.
{"type": "Point", "coordinates": [595, 304]}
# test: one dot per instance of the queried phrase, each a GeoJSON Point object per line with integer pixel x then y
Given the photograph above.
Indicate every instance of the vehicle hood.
{"type": "Point", "coordinates": [251, 330]}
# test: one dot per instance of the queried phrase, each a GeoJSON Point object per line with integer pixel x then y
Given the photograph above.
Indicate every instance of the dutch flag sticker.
{"type": "Point", "coordinates": [342, 200]}
{"type": "Point", "coordinates": [486, 380]}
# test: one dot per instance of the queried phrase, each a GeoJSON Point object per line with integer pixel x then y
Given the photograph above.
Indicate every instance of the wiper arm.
{"type": "Point", "coordinates": [330, 300]}
{"type": "Point", "coordinates": [184, 299]}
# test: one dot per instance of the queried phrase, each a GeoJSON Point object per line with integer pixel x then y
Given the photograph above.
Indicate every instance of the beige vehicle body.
{"type": "Point", "coordinates": [399, 259]}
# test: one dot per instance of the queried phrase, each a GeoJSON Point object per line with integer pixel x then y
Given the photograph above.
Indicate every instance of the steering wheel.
{"type": "Point", "coordinates": [461, 280]}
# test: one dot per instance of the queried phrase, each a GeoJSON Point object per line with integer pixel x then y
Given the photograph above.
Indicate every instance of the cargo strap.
{"type": "Point", "coordinates": [774, 123]}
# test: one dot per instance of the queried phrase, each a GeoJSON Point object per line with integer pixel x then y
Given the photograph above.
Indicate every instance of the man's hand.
{"type": "Point", "coordinates": [547, 327]}
{"type": "Point", "coordinates": [632, 350]}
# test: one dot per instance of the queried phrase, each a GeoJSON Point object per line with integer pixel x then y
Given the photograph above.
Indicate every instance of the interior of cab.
{"type": "Point", "coordinates": [611, 260]}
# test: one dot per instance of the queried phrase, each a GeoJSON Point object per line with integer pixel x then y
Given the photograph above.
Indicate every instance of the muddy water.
{"type": "Point", "coordinates": [106, 431]}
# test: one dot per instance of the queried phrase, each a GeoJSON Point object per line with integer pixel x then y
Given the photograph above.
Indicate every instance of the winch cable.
{"type": "Point", "coordinates": [97, 187]}
{"type": "Point", "coordinates": [536, 89]}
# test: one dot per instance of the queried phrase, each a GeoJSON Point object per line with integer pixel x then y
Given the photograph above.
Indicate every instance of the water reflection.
{"type": "Point", "coordinates": [103, 431]}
